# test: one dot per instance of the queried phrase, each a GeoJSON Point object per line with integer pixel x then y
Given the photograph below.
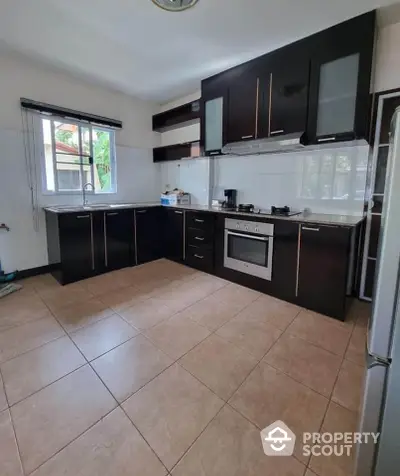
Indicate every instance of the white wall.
{"type": "Point", "coordinates": [387, 74]}
{"type": "Point", "coordinates": [138, 179]}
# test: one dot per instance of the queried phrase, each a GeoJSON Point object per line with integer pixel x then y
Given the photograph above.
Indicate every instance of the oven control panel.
{"type": "Point", "coordinates": [254, 227]}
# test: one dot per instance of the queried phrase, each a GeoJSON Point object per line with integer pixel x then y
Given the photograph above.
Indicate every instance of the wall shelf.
{"type": "Point", "coordinates": [177, 117]}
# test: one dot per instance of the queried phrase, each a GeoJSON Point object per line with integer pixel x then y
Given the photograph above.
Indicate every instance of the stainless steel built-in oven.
{"type": "Point", "coordinates": [249, 247]}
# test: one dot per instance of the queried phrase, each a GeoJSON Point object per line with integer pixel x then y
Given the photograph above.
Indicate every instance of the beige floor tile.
{"type": "Point", "coordinates": [123, 298]}
{"type": "Point", "coordinates": [356, 349]}
{"type": "Point", "coordinates": [10, 464]}
{"type": "Point", "coordinates": [337, 419]}
{"type": "Point", "coordinates": [314, 367]}
{"type": "Point", "coordinates": [65, 296]}
{"type": "Point", "coordinates": [102, 336]}
{"type": "Point", "coordinates": [30, 372]}
{"type": "Point", "coordinates": [41, 283]}
{"type": "Point", "coordinates": [177, 335]}
{"type": "Point", "coordinates": [17, 309]}
{"type": "Point", "coordinates": [171, 412]}
{"type": "Point", "coordinates": [321, 330]}
{"type": "Point", "coordinates": [180, 297]}
{"type": "Point", "coordinates": [130, 366]}
{"type": "Point", "coordinates": [360, 313]}
{"type": "Point", "coordinates": [251, 335]}
{"type": "Point", "coordinates": [27, 337]}
{"type": "Point", "coordinates": [220, 365]}
{"type": "Point", "coordinates": [147, 314]}
{"type": "Point", "coordinates": [50, 419]}
{"type": "Point", "coordinates": [3, 399]}
{"type": "Point", "coordinates": [75, 316]}
{"type": "Point", "coordinates": [272, 311]}
{"type": "Point", "coordinates": [231, 445]}
{"type": "Point", "coordinates": [208, 283]}
{"type": "Point", "coordinates": [111, 447]}
{"type": "Point", "coordinates": [268, 395]}
{"type": "Point", "coordinates": [211, 312]}
{"type": "Point", "coordinates": [104, 283]}
{"type": "Point", "coordinates": [310, 473]}
{"type": "Point", "coordinates": [349, 386]}
{"type": "Point", "coordinates": [236, 294]}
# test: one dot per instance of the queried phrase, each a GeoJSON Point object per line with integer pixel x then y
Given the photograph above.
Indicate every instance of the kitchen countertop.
{"type": "Point", "coordinates": [323, 219]}
{"type": "Point", "coordinates": [342, 220]}
{"type": "Point", "coordinates": [99, 207]}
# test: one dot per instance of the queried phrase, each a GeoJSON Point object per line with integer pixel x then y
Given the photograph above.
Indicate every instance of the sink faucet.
{"type": "Point", "coordinates": [84, 192]}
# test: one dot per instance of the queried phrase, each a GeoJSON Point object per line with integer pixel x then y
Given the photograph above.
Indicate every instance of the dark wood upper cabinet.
{"type": "Point", "coordinates": [288, 101]}
{"type": "Point", "coordinates": [340, 81]}
{"type": "Point", "coordinates": [243, 107]}
{"type": "Point", "coordinates": [319, 85]}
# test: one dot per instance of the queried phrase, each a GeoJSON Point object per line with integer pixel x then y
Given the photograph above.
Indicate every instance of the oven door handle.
{"type": "Point", "coordinates": [252, 237]}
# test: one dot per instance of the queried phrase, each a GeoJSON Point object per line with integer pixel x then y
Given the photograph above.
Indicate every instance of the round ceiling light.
{"type": "Point", "coordinates": [175, 5]}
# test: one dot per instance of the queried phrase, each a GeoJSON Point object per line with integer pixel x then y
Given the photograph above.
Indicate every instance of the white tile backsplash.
{"type": "Point", "coordinates": [328, 180]}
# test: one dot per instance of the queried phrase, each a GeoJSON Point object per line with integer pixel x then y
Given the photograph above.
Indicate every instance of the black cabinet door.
{"type": "Point", "coordinates": [323, 266]}
{"type": "Point", "coordinates": [118, 239]}
{"type": "Point", "coordinates": [76, 245]}
{"type": "Point", "coordinates": [289, 83]}
{"type": "Point", "coordinates": [340, 81]}
{"type": "Point", "coordinates": [148, 236]}
{"type": "Point", "coordinates": [243, 102]}
{"type": "Point", "coordinates": [174, 235]}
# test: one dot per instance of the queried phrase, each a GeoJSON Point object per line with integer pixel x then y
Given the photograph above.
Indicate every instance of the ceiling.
{"type": "Point", "coordinates": [137, 48]}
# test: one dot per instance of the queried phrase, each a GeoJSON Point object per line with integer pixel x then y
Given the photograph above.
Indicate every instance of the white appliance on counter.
{"type": "Point", "coordinates": [249, 247]}
{"type": "Point", "coordinates": [381, 405]}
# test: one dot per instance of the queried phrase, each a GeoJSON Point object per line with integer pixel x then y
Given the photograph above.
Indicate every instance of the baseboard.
{"type": "Point", "coordinates": [29, 273]}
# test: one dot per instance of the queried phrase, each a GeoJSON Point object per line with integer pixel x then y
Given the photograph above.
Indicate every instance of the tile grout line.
{"type": "Point", "coordinates": [331, 393]}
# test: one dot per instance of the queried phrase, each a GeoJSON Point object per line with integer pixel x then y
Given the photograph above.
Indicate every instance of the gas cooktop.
{"type": "Point", "coordinates": [276, 211]}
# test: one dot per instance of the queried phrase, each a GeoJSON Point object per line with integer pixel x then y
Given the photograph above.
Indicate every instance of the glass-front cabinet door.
{"type": "Point", "coordinates": [334, 95]}
{"type": "Point", "coordinates": [213, 125]}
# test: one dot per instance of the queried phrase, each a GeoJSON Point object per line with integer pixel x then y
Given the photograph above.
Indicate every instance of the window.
{"type": "Point", "coordinates": [76, 153]}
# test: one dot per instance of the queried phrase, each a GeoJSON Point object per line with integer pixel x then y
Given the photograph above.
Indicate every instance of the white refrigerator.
{"type": "Point", "coordinates": [381, 404]}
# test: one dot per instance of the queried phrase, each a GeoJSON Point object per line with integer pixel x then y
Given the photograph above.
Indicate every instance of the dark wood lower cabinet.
{"type": "Point", "coordinates": [174, 234]}
{"type": "Point", "coordinates": [71, 246]}
{"type": "Point", "coordinates": [118, 227]}
{"type": "Point", "coordinates": [323, 267]}
{"type": "Point", "coordinates": [148, 234]}
{"type": "Point", "coordinates": [310, 261]}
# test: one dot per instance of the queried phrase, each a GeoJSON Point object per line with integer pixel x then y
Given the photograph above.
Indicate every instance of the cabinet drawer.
{"type": "Point", "coordinates": [200, 221]}
{"type": "Point", "coordinates": [200, 257]}
{"type": "Point", "coordinates": [198, 237]}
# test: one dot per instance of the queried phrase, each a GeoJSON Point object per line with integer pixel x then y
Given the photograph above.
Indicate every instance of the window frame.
{"type": "Point", "coordinates": [81, 125]}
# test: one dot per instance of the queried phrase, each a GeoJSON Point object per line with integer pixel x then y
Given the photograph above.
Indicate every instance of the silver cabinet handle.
{"type": "Point", "coordinates": [280, 131]}
{"type": "Point", "coordinates": [179, 213]}
{"type": "Point", "coordinates": [197, 220]}
{"type": "Point", "coordinates": [92, 240]}
{"type": "Point", "coordinates": [112, 214]}
{"type": "Point", "coordinates": [326, 139]}
{"type": "Point", "coordinates": [250, 136]}
{"type": "Point", "coordinates": [105, 241]}
{"type": "Point", "coordinates": [198, 238]}
{"type": "Point", "coordinates": [83, 216]}
{"type": "Point", "coordinates": [198, 256]}
{"type": "Point", "coordinates": [309, 229]}
{"type": "Point", "coordinates": [216, 152]}
{"type": "Point", "coordinates": [141, 211]}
